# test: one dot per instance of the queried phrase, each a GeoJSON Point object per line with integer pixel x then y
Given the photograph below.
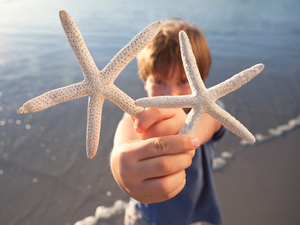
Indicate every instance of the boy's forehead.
{"type": "Point", "coordinates": [175, 70]}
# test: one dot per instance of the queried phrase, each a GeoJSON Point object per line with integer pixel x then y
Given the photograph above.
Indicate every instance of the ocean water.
{"type": "Point", "coordinates": [45, 176]}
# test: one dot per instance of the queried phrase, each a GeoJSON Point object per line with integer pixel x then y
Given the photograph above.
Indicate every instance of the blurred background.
{"type": "Point", "coordinates": [45, 176]}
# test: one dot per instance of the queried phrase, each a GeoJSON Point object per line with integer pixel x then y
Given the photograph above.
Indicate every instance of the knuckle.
{"type": "Point", "coordinates": [160, 146]}
{"type": "Point", "coordinates": [164, 166]}
{"type": "Point", "coordinates": [125, 170]}
{"type": "Point", "coordinates": [123, 157]}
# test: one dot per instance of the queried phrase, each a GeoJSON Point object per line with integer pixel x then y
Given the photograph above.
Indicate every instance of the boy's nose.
{"type": "Point", "coordinates": [171, 91]}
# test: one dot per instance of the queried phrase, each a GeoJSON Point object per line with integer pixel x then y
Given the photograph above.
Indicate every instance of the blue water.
{"type": "Point", "coordinates": [45, 177]}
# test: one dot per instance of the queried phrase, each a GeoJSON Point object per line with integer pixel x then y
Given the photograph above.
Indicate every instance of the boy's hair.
{"type": "Point", "coordinates": [164, 50]}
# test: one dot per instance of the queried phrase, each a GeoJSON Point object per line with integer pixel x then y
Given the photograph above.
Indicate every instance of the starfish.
{"type": "Point", "coordinates": [98, 85]}
{"type": "Point", "coordinates": [202, 100]}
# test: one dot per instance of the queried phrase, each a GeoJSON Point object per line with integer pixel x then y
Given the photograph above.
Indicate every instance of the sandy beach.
{"type": "Point", "coordinates": [262, 183]}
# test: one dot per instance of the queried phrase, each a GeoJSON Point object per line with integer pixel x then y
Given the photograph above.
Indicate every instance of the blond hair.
{"type": "Point", "coordinates": [164, 50]}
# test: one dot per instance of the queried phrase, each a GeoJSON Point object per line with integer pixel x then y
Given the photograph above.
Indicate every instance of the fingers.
{"type": "Point", "coordinates": [150, 116]}
{"type": "Point", "coordinates": [153, 170]}
{"type": "Point", "coordinates": [156, 157]}
{"type": "Point", "coordinates": [165, 145]}
{"type": "Point", "coordinates": [162, 188]}
{"type": "Point", "coordinates": [165, 165]}
{"type": "Point", "coordinates": [159, 122]}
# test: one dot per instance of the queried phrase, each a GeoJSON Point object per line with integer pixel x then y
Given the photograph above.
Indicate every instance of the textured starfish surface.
{"type": "Point", "coordinates": [202, 100]}
{"type": "Point", "coordinates": [98, 85]}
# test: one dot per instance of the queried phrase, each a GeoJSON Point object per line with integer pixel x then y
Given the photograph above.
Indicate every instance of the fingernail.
{"type": "Point", "coordinates": [195, 142]}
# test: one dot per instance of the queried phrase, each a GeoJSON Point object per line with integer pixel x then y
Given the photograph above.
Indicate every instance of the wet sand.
{"type": "Point", "coordinates": [261, 184]}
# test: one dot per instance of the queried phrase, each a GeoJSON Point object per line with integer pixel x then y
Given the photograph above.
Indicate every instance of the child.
{"type": "Point", "coordinates": [168, 176]}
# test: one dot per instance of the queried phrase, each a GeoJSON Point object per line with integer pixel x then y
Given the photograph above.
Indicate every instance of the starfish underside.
{"type": "Point", "coordinates": [202, 100]}
{"type": "Point", "coordinates": [98, 85]}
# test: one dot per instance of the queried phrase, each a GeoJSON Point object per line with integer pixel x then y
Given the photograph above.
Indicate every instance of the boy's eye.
{"type": "Point", "coordinates": [184, 81]}
{"type": "Point", "coordinates": [156, 81]}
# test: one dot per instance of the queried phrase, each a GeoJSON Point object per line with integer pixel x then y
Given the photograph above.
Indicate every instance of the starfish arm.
{"type": "Point", "coordinates": [190, 64]}
{"type": "Point", "coordinates": [122, 100]}
{"type": "Point", "coordinates": [192, 121]}
{"type": "Point", "coordinates": [183, 101]}
{"type": "Point", "coordinates": [78, 45]}
{"type": "Point", "coordinates": [235, 82]}
{"type": "Point", "coordinates": [129, 52]}
{"type": "Point", "coordinates": [93, 125]}
{"type": "Point", "coordinates": [54, 97]}
{"type": "Point", "coordinates": [231, 123]}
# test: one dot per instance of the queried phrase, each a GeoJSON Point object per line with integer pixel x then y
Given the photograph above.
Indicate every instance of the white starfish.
{"type": "Point", "coordinates": [202, 100]}
{"type": "Point", "coordinates": [98, 85]}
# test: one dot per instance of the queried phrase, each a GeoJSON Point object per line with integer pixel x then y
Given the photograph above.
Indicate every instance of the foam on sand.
{"type": "Point", "coordinates": [222, 161]}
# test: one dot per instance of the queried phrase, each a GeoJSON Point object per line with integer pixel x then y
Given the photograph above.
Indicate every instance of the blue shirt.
{"type": "Point", "coordinates": [197, 201]}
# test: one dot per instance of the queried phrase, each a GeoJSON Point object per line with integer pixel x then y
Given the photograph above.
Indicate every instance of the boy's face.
{"type": "Point", "coordinates": [174, 83]}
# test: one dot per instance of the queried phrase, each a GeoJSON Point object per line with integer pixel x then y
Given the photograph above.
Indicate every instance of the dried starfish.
{"type": "Point", "coordinates": [98, 85]}
{"type": "Point", "coordinates": [202, 100]}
